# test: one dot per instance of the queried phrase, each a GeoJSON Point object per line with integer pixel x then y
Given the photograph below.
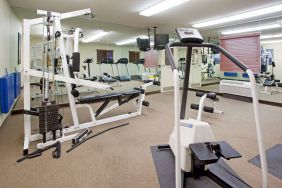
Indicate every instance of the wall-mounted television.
{"type": "Point", "coordinates": [160, 40]}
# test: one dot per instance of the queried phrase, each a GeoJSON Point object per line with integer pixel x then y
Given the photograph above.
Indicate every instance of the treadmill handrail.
{"type": "Point", "coordinates": [209, 45]}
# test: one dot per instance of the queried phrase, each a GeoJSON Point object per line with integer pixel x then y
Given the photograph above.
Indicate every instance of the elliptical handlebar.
{"type": "Point", "coordinates": [181, 114]}
{"type": "Point", "coordinates": [209, 45]}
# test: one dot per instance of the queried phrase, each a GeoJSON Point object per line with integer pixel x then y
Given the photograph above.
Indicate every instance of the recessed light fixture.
{"type": "Point", "coordinates": [271, 36]}
{"type": "Point", "coordinates": [271, 41]}
{"type": "Point", "coordinates": [97, 35]}
{"type": "Point", "coordinates": [162, 6]}
{"type": "Point", "coordinates": [245, 15]}
{"type": "Point", "coordinates": [251, 29]}
{"type": "Point", "coordinates": [130, 40]}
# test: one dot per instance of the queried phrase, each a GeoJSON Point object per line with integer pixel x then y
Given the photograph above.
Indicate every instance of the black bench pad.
{"type": "Point", "coordinates": [109, 96]}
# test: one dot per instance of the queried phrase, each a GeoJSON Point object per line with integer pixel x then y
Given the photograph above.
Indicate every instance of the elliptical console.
{"type": "Point", "coordinates": [189, 35]}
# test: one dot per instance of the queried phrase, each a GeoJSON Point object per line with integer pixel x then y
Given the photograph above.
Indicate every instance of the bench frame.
{"type": "Point", "coordinates": [28, 73]}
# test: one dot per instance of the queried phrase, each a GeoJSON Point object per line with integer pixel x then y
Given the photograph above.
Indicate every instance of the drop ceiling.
{"type": "Point", "coordinates": [123, 19]}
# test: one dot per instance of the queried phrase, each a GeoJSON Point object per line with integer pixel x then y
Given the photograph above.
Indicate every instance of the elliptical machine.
{"type": "Point", "coordinates": [196, 151]}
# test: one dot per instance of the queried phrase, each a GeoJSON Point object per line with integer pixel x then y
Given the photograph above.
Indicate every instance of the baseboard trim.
{"type": "Point", "coordinates": [4, 116]}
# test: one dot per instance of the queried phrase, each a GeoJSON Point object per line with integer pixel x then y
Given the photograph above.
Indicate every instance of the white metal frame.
{"type": "Point", "coordinates": [28, 73]}
{"type": "Point", "coordinates": [201, 107]}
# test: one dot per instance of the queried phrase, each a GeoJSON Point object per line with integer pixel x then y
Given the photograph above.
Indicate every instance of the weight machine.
{"type": "Point", "coordinates": [51, 129]}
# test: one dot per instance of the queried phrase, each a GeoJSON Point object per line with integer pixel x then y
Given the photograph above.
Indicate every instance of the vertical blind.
{"type": "Point", "coordinates": [246, 48]}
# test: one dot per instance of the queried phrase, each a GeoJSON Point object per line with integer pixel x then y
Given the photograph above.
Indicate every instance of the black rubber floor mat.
{"type": "Point", "coordinates": [274, 160]}
{"type": "Point", "coordinates": [165, 168]}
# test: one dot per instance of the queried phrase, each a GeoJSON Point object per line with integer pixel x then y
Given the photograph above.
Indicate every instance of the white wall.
{"type": "Point", "coordinates": [9, 28]}
{"type": "Point", "coordinates": [277, 49]}
{"type": "Point", "coordinates": [5, 36]}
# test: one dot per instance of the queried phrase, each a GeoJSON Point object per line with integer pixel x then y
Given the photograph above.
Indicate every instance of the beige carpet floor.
{"type": "Point", "coordinates": [121, 158]}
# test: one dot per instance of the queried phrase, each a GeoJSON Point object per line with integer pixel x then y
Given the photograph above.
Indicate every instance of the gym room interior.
{"type": "Point", "coordinates": [145, 94]}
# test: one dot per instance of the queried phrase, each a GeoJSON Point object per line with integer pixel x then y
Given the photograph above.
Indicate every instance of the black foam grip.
{"type": "Point", "coordinates": [211, 96]}
{"type": "Point", "coordinates": [208, 109]}
{"type": "Point", "coordinates": [194, 106]}
{"type": "Point", "coordinates": [199, 94]}
{"type": "Point", "coordinates": [76, 61]}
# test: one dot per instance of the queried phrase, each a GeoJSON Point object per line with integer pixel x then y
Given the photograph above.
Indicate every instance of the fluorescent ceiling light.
{"type": "Point", "coordinates": [271, 41]}
{"type": "Point", "coordinates": [245, 15]}
{"type": "Point", "coordinates": [131, 40]}
{"type": "Point", "coordinates": [270, 36]}
{"type": "Point", "coordinates": [96, 36]}
{"type": "Point", "coordinates": [162, 6]}
{"type": "Point", "coordinates": [250, 29]}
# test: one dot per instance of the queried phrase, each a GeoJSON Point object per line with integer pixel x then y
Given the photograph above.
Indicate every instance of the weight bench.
{"type": "Point", "coordinates": [116, 99]}
{"type": "Point", "coordinates": [122, 98]}
{"type": "Point", "coordinates": [111, 96]}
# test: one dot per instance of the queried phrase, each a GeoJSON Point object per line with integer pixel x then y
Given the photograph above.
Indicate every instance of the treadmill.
{"type": "Point", "coordinates": [105, 77]}
{"type": "Point", "coordinates": [205, 159]}
{"type": "Point", "coordinates": [120, 77]}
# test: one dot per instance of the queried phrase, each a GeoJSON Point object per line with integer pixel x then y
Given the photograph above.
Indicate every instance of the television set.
{"type": "Point", "coordinates": [160, 40]}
